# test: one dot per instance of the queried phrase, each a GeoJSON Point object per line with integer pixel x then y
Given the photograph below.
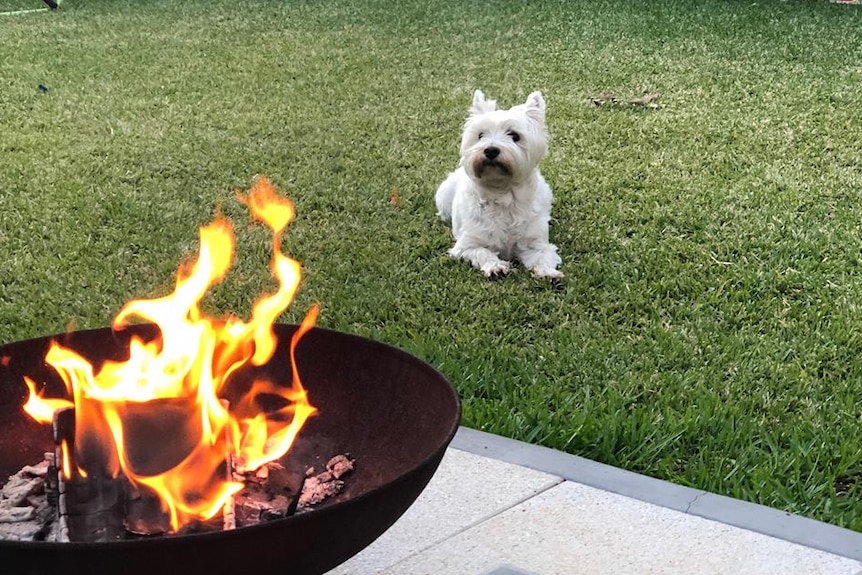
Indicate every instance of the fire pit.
{"type": "Point", "coordinates": [392, 412]}
{"type": "Point", "coordinates": [162, 426]}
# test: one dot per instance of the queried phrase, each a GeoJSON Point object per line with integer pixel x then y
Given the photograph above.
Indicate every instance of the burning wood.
{"type": "Point", "coordinates": [31, 511]}
{"type": "Point", "coordinates": [62, 499]}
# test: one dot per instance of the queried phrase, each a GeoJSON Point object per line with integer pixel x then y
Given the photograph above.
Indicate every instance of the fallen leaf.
{"type": "Point", "coordinates": [606, 98]}
{"type": "Point", "coordinates": [647, 101]}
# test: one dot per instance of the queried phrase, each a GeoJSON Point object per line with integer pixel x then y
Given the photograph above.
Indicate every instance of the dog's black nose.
{"type": "Point", "coordinates": [491, 152]}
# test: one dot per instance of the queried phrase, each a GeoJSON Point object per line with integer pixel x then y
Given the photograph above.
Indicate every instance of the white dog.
{"type": "Point", "coordinates": [497, 202]}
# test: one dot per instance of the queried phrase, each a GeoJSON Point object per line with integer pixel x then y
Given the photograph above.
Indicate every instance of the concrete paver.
{"type": "Point", "coordinates": [573, 529]}
{"type": "Point", "coordinates": [499, 507]}
{"type": "Point", "coordinates": [466, 491]}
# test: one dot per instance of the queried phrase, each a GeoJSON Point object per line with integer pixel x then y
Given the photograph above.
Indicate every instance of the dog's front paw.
{"type": "Point", "coordinates": [496, 270]}
{"type": "Point", "coordinates": [554, 274]}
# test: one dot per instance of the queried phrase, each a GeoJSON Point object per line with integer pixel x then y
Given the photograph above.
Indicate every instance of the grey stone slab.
{"type": "Point", "coordinates": [759, 518]}
{"type": "Point", "coordinates": [575, 529]}
{"type": "Point", "coordinates": [506, 570]}
{"type": "Point", "coordinates": [466, 490]}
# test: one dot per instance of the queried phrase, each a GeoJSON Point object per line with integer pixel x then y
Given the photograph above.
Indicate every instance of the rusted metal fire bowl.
{"type": "Point", "coordinates": [392, 412]}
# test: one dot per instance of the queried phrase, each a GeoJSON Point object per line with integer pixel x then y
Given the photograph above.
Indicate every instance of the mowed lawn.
{"type": "Point", "coordinates": [710, 329]}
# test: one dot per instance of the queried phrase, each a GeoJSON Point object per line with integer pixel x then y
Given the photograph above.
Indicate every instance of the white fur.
{"type": "Point", "coordinates": [500, 208]}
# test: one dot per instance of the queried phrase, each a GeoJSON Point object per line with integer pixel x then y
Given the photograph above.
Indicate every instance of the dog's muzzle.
{"type": "Point", "coordinates": [490, 159]}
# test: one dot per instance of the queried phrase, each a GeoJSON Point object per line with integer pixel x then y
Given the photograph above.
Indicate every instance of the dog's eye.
{"type": "Point", "coordinates": [481, 135]}
{"type": "Point", "coordinates": [514, 135]}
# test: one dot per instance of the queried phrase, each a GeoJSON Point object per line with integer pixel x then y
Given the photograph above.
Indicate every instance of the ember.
{"type": "Point", "coordinates": [326, 483]}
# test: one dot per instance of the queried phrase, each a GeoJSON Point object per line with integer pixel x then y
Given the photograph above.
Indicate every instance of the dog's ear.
{"type": "Point", "coordinates": [481, 105]}
{"type": "Point", "coordinates": [535, 106]}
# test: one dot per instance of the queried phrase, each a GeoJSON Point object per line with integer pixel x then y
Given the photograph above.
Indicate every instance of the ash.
{"type": "Point", "coordinates": [26, 512]}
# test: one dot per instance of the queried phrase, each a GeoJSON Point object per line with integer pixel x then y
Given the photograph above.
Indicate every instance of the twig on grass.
{"type": "Point", "coordinates": [648, 100]}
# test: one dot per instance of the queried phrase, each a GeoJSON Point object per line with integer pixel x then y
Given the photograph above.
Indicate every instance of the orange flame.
{"type": "Point", "coordinates": [191, 362]}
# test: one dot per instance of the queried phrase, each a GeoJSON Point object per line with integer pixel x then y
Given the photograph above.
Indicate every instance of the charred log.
{"type": "Point", "coordinates": [90, 500]}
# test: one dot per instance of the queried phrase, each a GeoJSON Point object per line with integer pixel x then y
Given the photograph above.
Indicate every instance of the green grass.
{"type": "Point", "coordinates": [710, 330]}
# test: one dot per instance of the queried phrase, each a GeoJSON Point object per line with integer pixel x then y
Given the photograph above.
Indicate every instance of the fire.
{"type": "Point", "coordinates": [187, 370]}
